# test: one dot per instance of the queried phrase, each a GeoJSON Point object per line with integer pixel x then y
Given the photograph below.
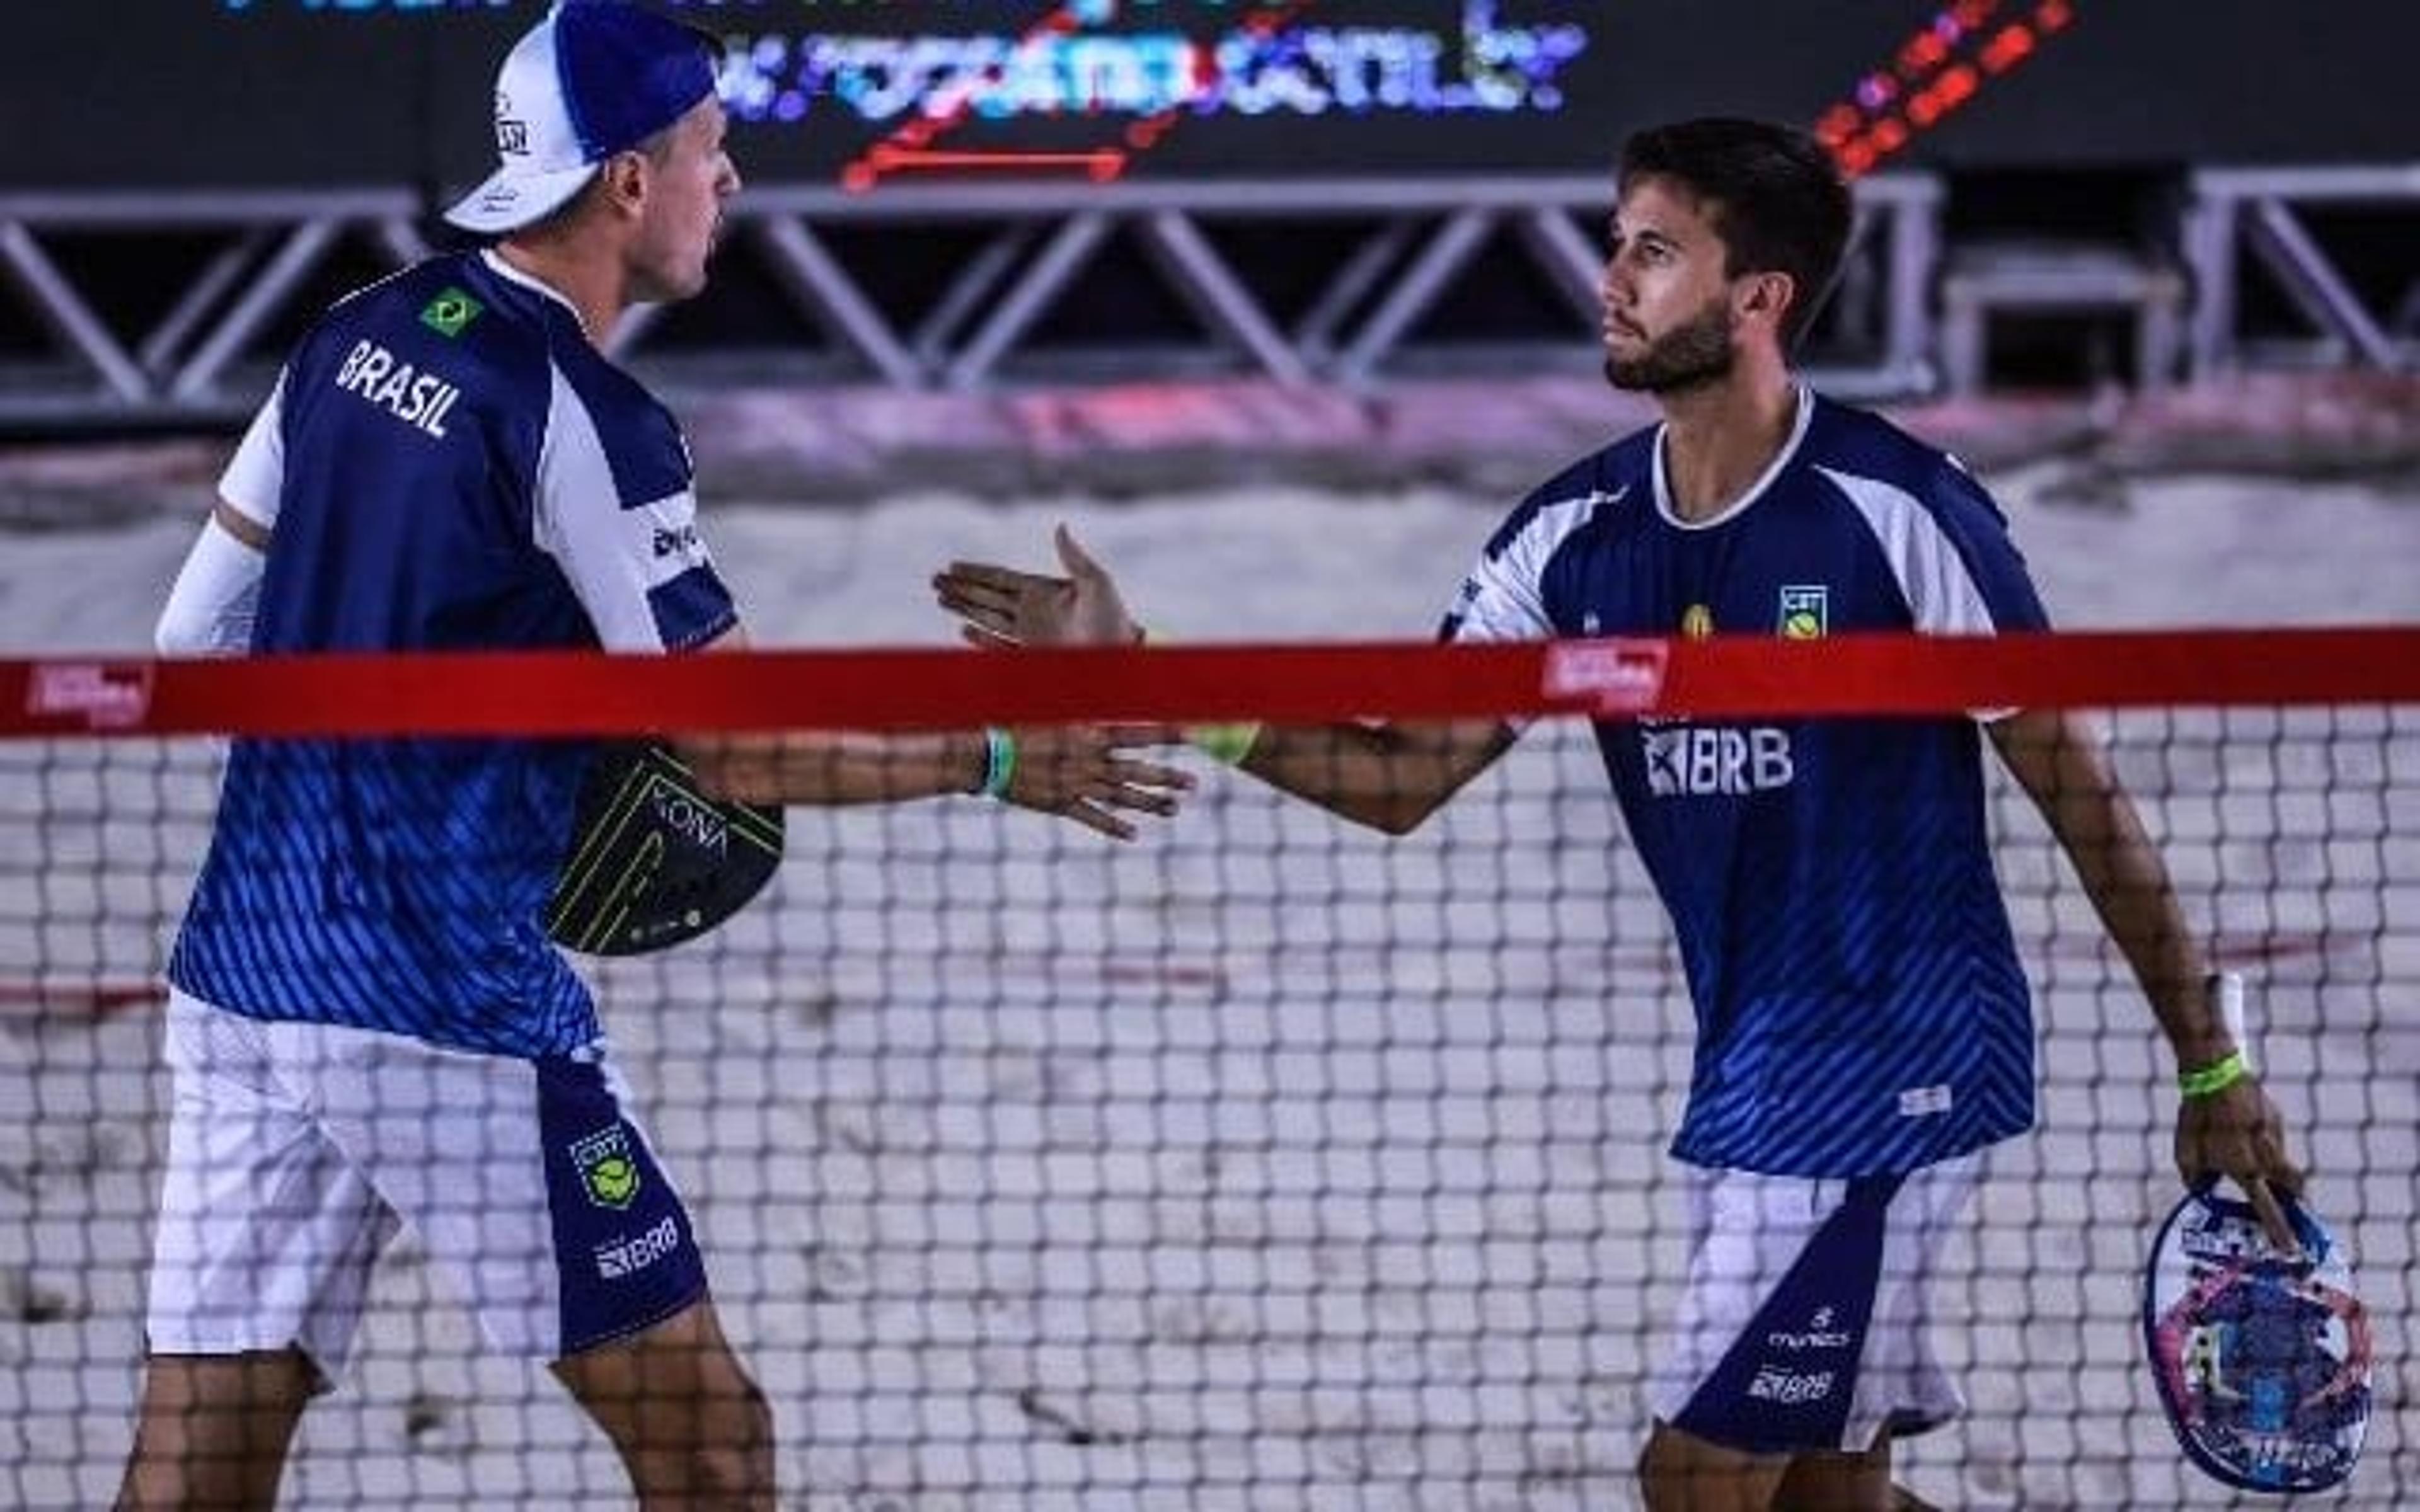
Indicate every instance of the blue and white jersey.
{"type": "Point", "coordinates": [448, 464]}
{"type": "Point", "coordinates": [1860, 1008]}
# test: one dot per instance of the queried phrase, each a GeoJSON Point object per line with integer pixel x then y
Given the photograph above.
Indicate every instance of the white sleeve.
{"type": "Point", "coordinates": [256, 475]}
{"type": "Point", "coordinates": [1504, 597]}
{"type": "Point", "coordinates": [642, 571]}
{"type": "Point", "coordinates": [217, 593]}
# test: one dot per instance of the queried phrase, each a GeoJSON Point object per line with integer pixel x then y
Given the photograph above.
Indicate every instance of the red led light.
{"type": "Point", "coordinates": [2013, 46]}
{"type": "Point", "coordinates": [1863, 129]}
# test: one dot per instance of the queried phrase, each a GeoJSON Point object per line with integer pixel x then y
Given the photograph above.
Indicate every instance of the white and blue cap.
{"type": "Point", "coordinates": [594, 78]}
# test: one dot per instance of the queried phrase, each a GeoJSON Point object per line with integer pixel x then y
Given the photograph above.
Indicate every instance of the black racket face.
{"type": "Point", "coordinates": [654, 861]}
{"type": "Point", "coordinates": [2262, 1360]}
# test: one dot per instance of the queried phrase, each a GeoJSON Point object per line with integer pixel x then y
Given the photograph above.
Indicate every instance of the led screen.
{"type": "Point", "coordinates": [874, 92]}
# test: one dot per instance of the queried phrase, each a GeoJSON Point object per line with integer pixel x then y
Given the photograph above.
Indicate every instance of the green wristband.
{"type": "Point", "coordinates": [999, 762]}
{"type": "Point", "coordinates": [1226, 744]}
{"type": "Point", "coordinates": [2214, 1078]}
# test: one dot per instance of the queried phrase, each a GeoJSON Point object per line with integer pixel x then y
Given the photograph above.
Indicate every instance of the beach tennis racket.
{"type": "Point", "coordinates": [2262, 1359]}
{"type": "Point", "coordinates": [655, 861]}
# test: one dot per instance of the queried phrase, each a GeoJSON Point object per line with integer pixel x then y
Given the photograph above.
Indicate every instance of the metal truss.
{"type": "Point", "coordinates": [1410, 242]}
{"type": "Point", "coordinates": [2235, 209]}
{"type": "Point", "coordinates": [269, 245]}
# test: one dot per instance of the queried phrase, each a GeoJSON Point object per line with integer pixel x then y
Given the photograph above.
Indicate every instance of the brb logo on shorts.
{"type": "Point", "coordinates": [607, 1168]}
{"type": "Point", "coordinates": [620, 1257]}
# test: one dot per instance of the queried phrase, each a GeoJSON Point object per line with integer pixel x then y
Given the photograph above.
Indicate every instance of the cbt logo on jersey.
{"type": "Point", "coordinates": [607, 1169]}
{"type": "Point", "coordinates": [1805, 612]}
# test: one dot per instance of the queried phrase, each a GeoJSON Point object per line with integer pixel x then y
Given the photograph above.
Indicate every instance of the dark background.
{"type": "Point", "coordinates": [309, 93]}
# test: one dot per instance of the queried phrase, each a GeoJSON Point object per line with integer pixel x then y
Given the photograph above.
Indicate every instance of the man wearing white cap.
{"type": "Point", "coordinates": [368, 1026]}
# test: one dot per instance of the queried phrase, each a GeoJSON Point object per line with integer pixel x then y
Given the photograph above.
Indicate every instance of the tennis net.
{"type": "Point", "coordinates": [1265, 1162]}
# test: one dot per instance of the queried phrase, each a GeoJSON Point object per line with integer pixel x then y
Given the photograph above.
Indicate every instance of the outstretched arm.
{"type": "Point", "coordinates": [1083, 772]}
{"type": "Point", "coordinates": [2236, 1131]}
{"type": "Point", "coordinates": [1389, 777]}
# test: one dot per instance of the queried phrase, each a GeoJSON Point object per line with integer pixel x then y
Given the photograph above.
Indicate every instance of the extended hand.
{"type": "Point", "coordinates": [2238, 1134]}
{"type": "Point", "coordinates": [1084, 773]}
{"type": "Point", "coordinates": [1004, 606]}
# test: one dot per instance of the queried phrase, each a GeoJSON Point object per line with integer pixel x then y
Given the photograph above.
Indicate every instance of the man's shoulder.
{"type": "Point", "coordinates": [1847, 439]}
{"type": "Point", "coordinates": [1621, 468]}
{"type": "Point", "coordinates": [445, 316]}
{"type": "Point", "coordinates": [449, 294]}
{"type": "Point", "coordinates": [1609, 477]}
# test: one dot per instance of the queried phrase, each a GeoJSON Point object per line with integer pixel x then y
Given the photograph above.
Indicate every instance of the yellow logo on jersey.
{"type": "Point", "coordinates": [1805, 612]}
{"type": "Point", "coordinates": [1696, 621]}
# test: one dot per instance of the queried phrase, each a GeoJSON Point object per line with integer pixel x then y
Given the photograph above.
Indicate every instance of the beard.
{"type": "Point", "coordinates": [1691, 355]}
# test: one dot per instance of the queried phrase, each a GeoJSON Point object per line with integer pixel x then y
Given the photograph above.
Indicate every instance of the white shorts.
{"type": "Point", "coordinates": [1807, 1325]}
{"type": "Point", "coordinates": [297, 1150]}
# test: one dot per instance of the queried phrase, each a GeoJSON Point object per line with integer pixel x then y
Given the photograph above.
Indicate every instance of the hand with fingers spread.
{"type": "Point", "coordinates": [1087, 773]}
{"type": "Point", "coordinates": [1004, 606]}
{"type": "Point", "coordinates": [2237, 1133]}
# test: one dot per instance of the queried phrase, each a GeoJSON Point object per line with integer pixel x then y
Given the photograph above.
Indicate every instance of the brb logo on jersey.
{"type": "Point", "coordinates": [1686, 761]}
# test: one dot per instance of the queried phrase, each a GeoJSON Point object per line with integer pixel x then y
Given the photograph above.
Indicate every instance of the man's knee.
{"type": "Point", "coordinates": [693, 1428]}
{"type": "Point", "coordinates": [724, 1461]}
{"type": "Point", "coordinates": [212, 1431]}
{"type": "Point", "coordinates": [734, 1460]}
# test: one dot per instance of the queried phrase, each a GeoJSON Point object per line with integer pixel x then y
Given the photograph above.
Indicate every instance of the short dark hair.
{"type": "Point", "coordinates": [1772, 193]}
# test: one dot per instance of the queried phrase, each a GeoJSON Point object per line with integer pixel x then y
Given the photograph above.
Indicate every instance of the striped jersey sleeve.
{"type": "Point", "coordinates": [627, 536]}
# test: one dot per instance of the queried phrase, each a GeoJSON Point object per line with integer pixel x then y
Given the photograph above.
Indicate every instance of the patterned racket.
{"type": "Point", "coordinates": [2262, 1359]}
{"type": "Point", "coordinates": [654, 862]}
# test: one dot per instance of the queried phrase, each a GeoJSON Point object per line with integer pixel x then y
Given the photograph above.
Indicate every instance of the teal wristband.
{"type": "Point", "coordinates": [2214, 1078]}
{"type": "Point", "coordinates": [999, 762]}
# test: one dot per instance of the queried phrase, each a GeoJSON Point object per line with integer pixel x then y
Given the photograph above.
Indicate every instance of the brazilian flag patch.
{"type": "Point", "coordinates": [451, 312]}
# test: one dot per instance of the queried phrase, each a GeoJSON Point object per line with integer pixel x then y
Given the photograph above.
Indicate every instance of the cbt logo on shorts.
{"type": "Point", "coordinates": [607, 1168]}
